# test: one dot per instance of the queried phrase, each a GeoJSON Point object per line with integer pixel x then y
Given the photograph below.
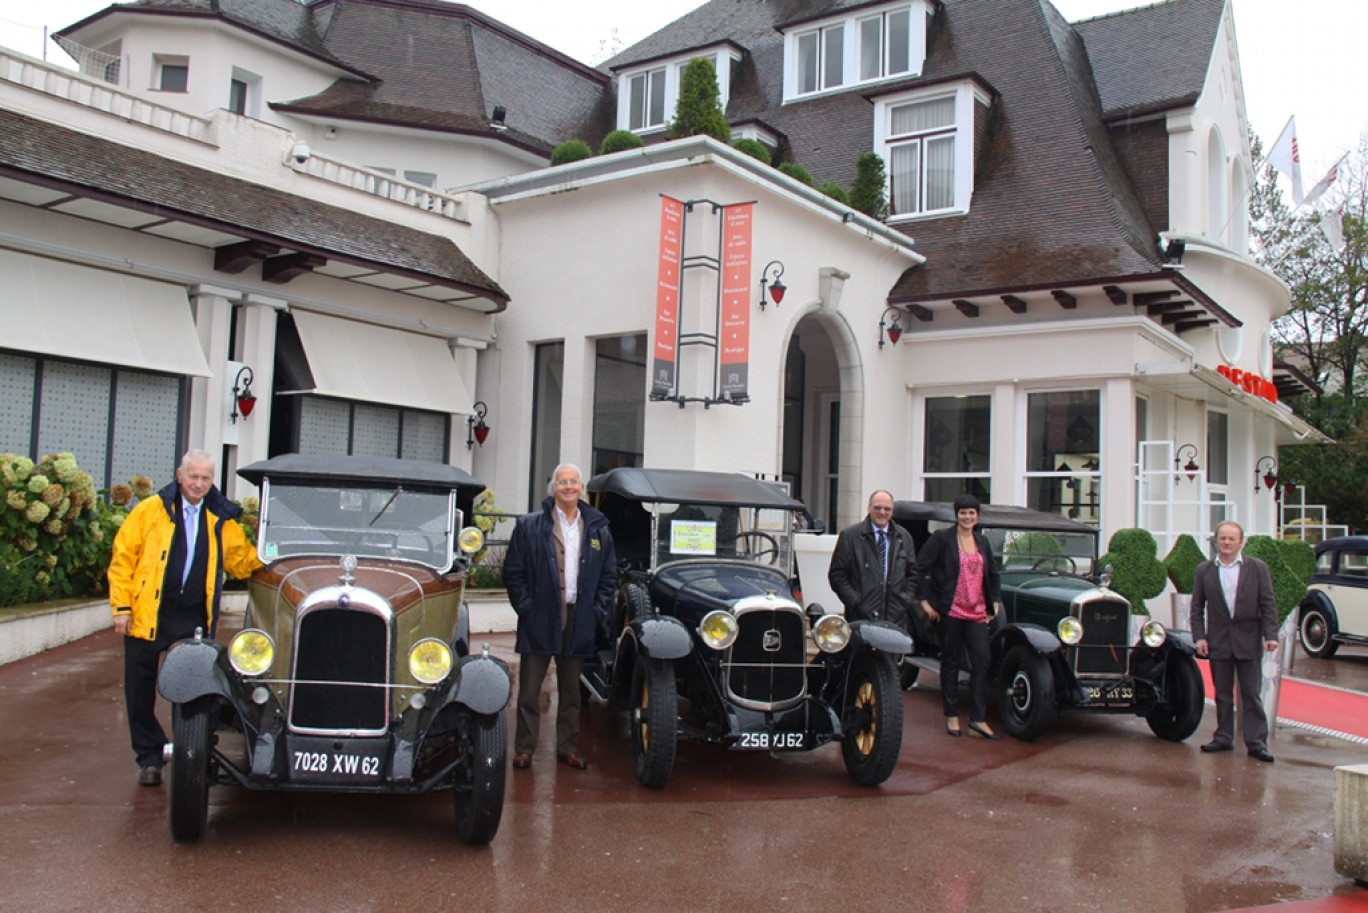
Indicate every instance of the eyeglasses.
{"type": "Point", "coordinates": [567, 483]}
{"type": "Point", "coordinates": [879, 508]}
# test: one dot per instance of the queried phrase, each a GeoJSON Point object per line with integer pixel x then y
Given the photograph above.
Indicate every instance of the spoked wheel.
{"type": "Point", "coordinates": [192, 731]}
{"type": "Point", "coordinates": [654, 722]}
{"type": "Point", "coordinates": [1317, 632]}
{"type": "Point", "coordinates": [479, 787]}
{"type": "Point", "coordinates": [1181, 712]}
{"type": "Point", "coordinates": [874, 719]}
{"type": "Point", "coordinates": [1026, 699]}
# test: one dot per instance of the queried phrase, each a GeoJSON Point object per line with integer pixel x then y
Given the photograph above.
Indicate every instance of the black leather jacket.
{"type": "Point", "coordinates": [856, 573]}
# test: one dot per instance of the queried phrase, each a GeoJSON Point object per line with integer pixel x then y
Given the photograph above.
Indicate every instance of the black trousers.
{"type": "Point", "coordinates": [958, 635]}
{"type": "Point", "coordinates": [142, 658]}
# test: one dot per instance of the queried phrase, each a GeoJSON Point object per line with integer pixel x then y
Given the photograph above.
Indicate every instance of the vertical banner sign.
{"type": "Point", "coordinates": [734, 341]}
{"type": "Point", "coordinates": [667, 298]}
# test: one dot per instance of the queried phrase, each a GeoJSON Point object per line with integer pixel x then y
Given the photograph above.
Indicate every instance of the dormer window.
{"type": "Point", "coordinates": [647, 94]}
{"type": "Point", "coordinates": [865, 46]}
{"type": "Point", "coordinates": [926, 139]}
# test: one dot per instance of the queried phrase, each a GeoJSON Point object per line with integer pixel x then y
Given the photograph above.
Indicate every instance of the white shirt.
{"type": "Point", "coordinates": [1230, 580]}
{"type": "Point", "coordinates": [570, 536]}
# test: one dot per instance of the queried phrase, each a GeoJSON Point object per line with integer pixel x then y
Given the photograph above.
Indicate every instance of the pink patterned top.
{"type": "Point", "coordinates": [969, 604]}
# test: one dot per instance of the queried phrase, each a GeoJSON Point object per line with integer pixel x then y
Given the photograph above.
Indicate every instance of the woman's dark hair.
{"type": "Point", "coordinates": [966, 502]}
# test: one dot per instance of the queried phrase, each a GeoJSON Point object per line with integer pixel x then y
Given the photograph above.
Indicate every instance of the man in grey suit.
{"type": "Point", "coordinates": [1234, 620]}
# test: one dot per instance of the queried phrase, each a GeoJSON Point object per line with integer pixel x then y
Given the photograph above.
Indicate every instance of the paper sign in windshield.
{"type": "Point", "coordinates": [693, 537]}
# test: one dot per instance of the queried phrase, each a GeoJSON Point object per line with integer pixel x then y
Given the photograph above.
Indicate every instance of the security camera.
{"type": "Point", "coordinates": [299, 153]}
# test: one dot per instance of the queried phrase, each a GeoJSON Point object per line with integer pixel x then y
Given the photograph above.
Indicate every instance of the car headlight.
{"type": "Point", "coordinates": [1153, 634]}
{"type": "Point", "coordinates": [471, 540]}
{"type": "Point", "coordinates": [718, 629]}
{"type": "Point", "coordinates": [430, 661]}
{"type": "Point", "coordinates": [1070, 630]}
{"type": "Point", "coordinates": [831, 633]}
{"type": "Point", "coordinates": [251, 652]}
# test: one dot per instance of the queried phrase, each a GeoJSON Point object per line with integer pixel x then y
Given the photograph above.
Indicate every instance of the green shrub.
{"type": "Point", "coordinates": [572, 150]}
{"type": "Point", "coordinates": [1137, 572]}
{"type": "Point", "coordinates": [1300, 556]}
{"type": "Point", "coordinates": [620, 141]}
{"type": "Point", "coordinates": [698, 110]}
{"type": "Point", "coordinates": [867, 192]}
{"type": "Point", "coordinates": [1027, 549]}
{"type": "Point", "coordinates": [1181, 562]}
{"type": "Point", "coordinates": [835, 191]}
{"type": "Point", "coordinates": [1288, 589]}
{"type": "Point", "coordinates": [797, 172]}
{"type": "Point", "coordinates": [752, 147]}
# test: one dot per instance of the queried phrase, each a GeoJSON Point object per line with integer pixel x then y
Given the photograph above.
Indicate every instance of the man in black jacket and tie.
{"type": "Point", "coordinates": [1234, 619]}
{"type": "Point", "coordinates": [873, 567]}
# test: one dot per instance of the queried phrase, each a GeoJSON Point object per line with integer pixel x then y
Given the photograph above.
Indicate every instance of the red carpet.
{"type": "Point", "coordinates": [1336, 903]}
{"type": "Point", "coordinates": [1318, 707]}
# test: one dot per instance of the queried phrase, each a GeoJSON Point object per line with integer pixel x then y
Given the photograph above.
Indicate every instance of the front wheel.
{"type": "Point", "coordinates": [1317, 632]}
{"type": "Point", "coordinates": [479, 787]}
{"type": "Point", "coordinates": [192, 729]}
{"type": "Point", "coordinates": [1184, 695]}
{"type": "Point", "coordinates": [654, 721]}
{"type": "Point", "coordinates": [874, 719]}
{"type": "Point", "coordinates": [908, 673]}
{"type": "Point", "coordinates": [1026, 695]}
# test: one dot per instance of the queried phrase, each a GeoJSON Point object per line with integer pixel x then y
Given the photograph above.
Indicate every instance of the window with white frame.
{"type": "Point", "coordinates": [1063, 453]}
{"type": "Point", "coordinates": [862, 47]}
{"type": "Point", "coordinates": [956, 447]}
{"type": "Point", "coordinates": [919, 150]}
{"type": "Point", "coordinates": [647, 96]}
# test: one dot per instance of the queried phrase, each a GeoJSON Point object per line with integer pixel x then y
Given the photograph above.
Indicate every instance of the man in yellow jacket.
{"type": "Point", "coordinates": [166, 580]}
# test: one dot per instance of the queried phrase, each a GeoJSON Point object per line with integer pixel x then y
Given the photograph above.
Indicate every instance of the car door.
{"type": "Point", "coordinates": [1348, 591]}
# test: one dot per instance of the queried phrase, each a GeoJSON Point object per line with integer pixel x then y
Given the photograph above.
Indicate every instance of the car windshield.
{"type": "Point", "coordinates": [1041, 550]}
{"type": "Point", "coordinates": [389, 523]}
{"type": "Point", "coordinates": [761, 535]}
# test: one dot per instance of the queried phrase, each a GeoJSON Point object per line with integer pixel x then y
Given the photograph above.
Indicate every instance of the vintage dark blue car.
{"type": "Point", "coordinates": [353, 670]}
{"type": "Point", "coordinates": [707, 641]}
{"type": "Point", "coordinates": [1063, 641]}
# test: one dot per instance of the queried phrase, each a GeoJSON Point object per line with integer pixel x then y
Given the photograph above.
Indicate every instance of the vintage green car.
{"type": "Point", "coordinates": [353, 670]}
{"type": "Point", "coordinates": [1063, 641]}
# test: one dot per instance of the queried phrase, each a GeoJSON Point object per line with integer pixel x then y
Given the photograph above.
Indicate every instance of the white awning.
{"type": "Point", "coordinates": [360, 361]}
{"type": "Point", "coordinates": [1198, 382]}
{"type": "Point", "coordinates": [51, 307]}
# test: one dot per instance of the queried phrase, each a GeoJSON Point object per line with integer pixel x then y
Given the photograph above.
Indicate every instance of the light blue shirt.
{"type": "Point", "coordinates": [191, 513]}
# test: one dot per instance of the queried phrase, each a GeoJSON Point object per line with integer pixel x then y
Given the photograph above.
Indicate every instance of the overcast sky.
{"type": "Point", "coordinates": [1300, 58]}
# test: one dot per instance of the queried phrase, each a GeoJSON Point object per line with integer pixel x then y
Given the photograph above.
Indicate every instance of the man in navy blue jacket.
{"type": "Point", "coordinates": [560, 571]}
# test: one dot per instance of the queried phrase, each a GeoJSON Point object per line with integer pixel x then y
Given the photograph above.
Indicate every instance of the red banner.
{"type": "Point", "coordinates": [734, 344]}
{"type": "Point", "coordinates": [667, 297]}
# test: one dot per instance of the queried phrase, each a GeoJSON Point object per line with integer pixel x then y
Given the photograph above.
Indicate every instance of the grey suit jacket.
{"type": "Point", "coordinates": [1256, 611]}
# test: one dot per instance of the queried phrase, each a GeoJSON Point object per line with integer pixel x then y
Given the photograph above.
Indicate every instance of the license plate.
{"type": "Point", "coordinates": [1118, 694]}
{"type": "Point", "coordinates": [335, 766]}
{"type": "Point", "coordinates": [770, 741]}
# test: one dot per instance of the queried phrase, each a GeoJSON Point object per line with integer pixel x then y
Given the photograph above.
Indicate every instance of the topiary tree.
{"type": "Point", "coordinates": [1288, 588]}
{"type": "Point", "coordinates": [867, 192]}
{"type": "Point", "coordinates": [572, 150]}
{"type": "Point", "coordinates": [1137, 572]}
{"type": "Point", "coordinates": [620, 141]}
{"type": "Point", "coordinates": [698, 110]}
{"type": "Point", "coordinates": [1181, 563]}
{"type": "Point", "coordinates": [797, 172]}
{"type": "Point", "coordinates": [752, 147]}
{"type": "Point", "coordinates": [1300, 556]}
{"type": "Point", "coordinates": [835, 191]}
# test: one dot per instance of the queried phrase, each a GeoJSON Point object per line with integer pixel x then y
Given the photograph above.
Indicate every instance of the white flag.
{"type": "Point", "coordinates": [1324, 183]}
{"type": "Point", "coordinates": [1286, 157]}
{"type": "Point", "coordinates": [1332, 224]}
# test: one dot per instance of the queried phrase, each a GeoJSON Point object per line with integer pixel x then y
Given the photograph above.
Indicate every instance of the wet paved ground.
{"type": "Point", "coordinates": [1097, 815]}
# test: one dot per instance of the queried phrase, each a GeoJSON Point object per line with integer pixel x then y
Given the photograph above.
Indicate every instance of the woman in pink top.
{"type": "Point", "coordinates": [960, 587]}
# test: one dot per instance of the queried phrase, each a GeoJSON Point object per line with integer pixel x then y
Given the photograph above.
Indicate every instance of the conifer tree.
{"type": "Point", "coordinates": [699, 110]}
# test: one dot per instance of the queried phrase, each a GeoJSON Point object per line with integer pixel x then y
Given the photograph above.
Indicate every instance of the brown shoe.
{"type": "Point", "coordinates": [150, 775]}
{"type": "Point", "coordinates": [573, 760]}
{"type": "Point", "coordinates": [522, 761]}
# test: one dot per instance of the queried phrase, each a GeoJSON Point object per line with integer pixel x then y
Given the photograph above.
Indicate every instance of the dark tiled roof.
{"type": "Point", "coordinates": [36, 150]}
{"type": "Point", "coordinates": [444, 66]}
{"type": "Point", "coordinates": [1152, 58]}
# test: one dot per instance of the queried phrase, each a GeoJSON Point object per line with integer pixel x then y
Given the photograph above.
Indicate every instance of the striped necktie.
{"type": "Point", "coordinates": [882, 538]}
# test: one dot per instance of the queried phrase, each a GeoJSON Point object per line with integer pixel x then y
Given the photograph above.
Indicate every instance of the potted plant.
{"type": "Point", "coordinates": [1137, 572]}
{"type": "Point", "coordinates": [1181, 565]}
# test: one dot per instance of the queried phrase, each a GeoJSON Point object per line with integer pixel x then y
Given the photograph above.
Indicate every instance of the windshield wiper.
{"type": "Point", "coordinates": [386, 506]}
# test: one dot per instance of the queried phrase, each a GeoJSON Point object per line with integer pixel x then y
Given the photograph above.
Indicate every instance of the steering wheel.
{"type": "Point", "coordinates": [765, 551]}
{"type": "Point", "coordinates": [1052, 566]}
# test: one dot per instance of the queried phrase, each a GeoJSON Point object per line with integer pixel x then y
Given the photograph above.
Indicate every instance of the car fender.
{"type": "Point", "coordinates": [661, 637]}
{"type": "Point", "coordinates": [1318, 599]}
{"type": "Point", "coordinates": [1180, 641]}
{"type": "Point", "coordinates": [192, 669]}
{"type": "Point", "coordinates": [1042, 640]}
{"type": "Point", "coordinates": [482, 684]}
{"type": "Point", "coordinates": [883, 636]}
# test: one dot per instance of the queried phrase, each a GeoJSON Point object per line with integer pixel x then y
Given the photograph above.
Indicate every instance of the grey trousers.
{"type": "Point", "coordinates": [1253, 721]}
{"type": "Point", "coordinates": [532, 670]}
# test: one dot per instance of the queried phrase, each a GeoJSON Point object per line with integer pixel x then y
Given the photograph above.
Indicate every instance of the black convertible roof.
{"type": "Point", "coordinates": [993, 516]}
{"type": "Point", "coordinates": [332, 469]}
{"type": "Point", "coordinates": [678, 486]}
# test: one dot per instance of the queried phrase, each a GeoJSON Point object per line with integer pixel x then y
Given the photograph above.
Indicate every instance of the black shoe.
{"type": "Point", "coordinates": [1261, 754]}
{"type": "Point", "coordinates": [980, 730]}
{"type": "Point", "coordinates": [1217, 746]}
{"type": "Point", "coordinates": [149, 775]}
{"type": "Point", "coordinates": [953, 732]}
